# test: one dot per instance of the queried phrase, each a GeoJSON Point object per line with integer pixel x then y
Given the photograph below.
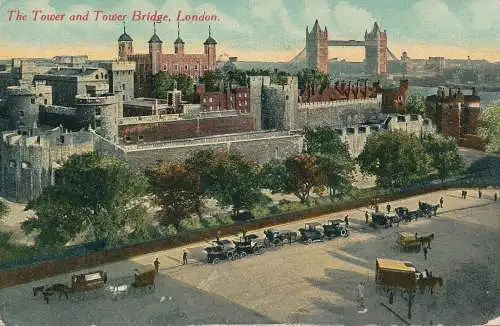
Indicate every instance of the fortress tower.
{"type": "Point", "coordinates": [155, 51]}
{"type": "Point", "coordinates": [376, 51]}
{"type": "Point", "coordinates": [317, 48]}
{"type": "Point", "coordinates": [209, 47]}
{"type": "Point", "coordinates": [125, 47]}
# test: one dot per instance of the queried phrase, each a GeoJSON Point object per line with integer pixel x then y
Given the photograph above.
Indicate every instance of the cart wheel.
{"type": "Point", "coordinates": [215, 261]}
{"type": "Point", "coordinates": [347, 233]}
{"type": "Point", "coordinates": [309, 241]}
{"type": "Point", "coordinates": [235, 256]}
{"type": "Point", "coordinates": [243, 254]}
{"type": "Point", "coordinates": [150, 288]}
{"type": "Point", "coordinates": [343, 232]}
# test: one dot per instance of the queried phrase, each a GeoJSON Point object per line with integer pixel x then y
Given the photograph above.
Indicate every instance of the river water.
{"type": "Point", "coordinates": [487, 98]}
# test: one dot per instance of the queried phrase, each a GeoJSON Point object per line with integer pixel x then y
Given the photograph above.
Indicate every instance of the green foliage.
{"type": "Point", "coordinates": [416, 105]}
{"type": "Point", "coordinates": [304, 174]}
{"type": "Point", "coordinates": [93, 194]}
{"type": "Point", "coordinates": [212, 80]}
{"type": "Point", "coordinates": [335, 161]}
{"type": "Point", "coordinates": [273, 176]}
{"type": "Point", "coordinates": [10, 251]}
{"type": "Point", "coordinates": [190, 224]}
{"type": "Point", "coordinates": [223, 219]}
{"type": "Point", "coordinates": [260, 211]}
{"type": "Point", "coordinates": [228, 178]}
{"type": "Point", "coordinates": [397, 159]}
{"type": "Point", "coordinates": [289, 206]}
{"type": "Point", "coordinates": [163, 83]}
{"type": "Point", "coordinates": [312, 78]}
{"type": "Point", "coordinates": [490, 129]}
{"type": "Point", "coordinates": [444, 155]}
{"type": "Point", "coordinates": [171, 231]}
{"type": "Point", "coordinates": [177, 190]}
{"type": "Point", "coordinates": [4, 209]}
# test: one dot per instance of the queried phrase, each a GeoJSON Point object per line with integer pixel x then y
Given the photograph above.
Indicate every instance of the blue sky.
{"type": "Point", "coordinates": [262, 29]}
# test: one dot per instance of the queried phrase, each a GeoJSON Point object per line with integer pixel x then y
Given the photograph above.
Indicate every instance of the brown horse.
{"type": "Point", "coordinates": [429, 283]}
{"type": "Point", "coordinates": [48, 291]}
{"type": "Point", "coordinates": [426, 240]}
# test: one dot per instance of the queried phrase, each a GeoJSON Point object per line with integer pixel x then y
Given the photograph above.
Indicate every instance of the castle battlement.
{"type": "Point", "coordinates": [57, 109]}
{"type": "Point", "coordinates": [327, 104]}
{"type": "Point", "coordinates": [149, 119]}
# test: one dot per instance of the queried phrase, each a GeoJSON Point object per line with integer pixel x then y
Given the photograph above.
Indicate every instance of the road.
{"type": "Point", "coordinates": [300, 283]}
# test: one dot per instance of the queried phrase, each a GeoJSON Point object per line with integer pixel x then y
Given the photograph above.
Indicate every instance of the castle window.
{"type": "Point", "coordinates": [140, 138]}
{"type": "Point", "coordinates": [245, 95]}
{"type": "Point", "coordinates": [211, 99]}
{"type": "Point", "coordinates": [61, 139]}
{"type": "Point", "coordinates": [102, 75]}
{"type": "Point", "coordinates": [128, 139]}
{"type": "Point", "coordinates": [286, 97]}
{"type": "Point", "coordinates": [21, 114]}
{"type": "Point", "coordinates": [211, 108]}
{"type": "Point", "coordinates": [26, 165]}
{"type": "Point", "coordinates": [246, 102]}
{"type": "Point", "coordinates": [204, 100]}
{"type": "Point", "coordinates": [239, 94]}
{"type": "Point", "coordinates": [186, 67]}
{"type": "Point", "coordinates": [176, 67]}
{"type": "Point", "coordinates": [206, 67]}
{"type": "Point", "coordinates": [123, 86]}
{"type": "Point", "coordinates": [40, 95]}
{"type": "Point", "coordinates": [195, 67]}
{"type": "Point", "coordinates": [164, 67]}
{"type": "Point", "coordinates": [96, 76]}
{"type": "Point", "coordinates": [12, 164]}
{"type": "Point", "coordinates": [45, 101]}
{"type": "Point", "coordinates": [98, 123]}
{"type": "Point", "coordinates": [106, 76]}
{"type": "Point", "coordinates": [33, 101]}
{"type": "Point", "coordinates": [97, 111]}
{"type": "Point", "coordinates": [218, 107]}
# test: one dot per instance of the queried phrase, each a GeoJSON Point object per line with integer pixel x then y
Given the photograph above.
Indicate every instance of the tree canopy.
{"type": "Point", "coordinates": [444, 155]}
{"type": "Point", "coordinates": [396, 158]}
{"type": "Point", "coordinates": [97, 196]}
{"type": "Point", "coordinates": [4, 209]}
{"type": "Point", "coordinates": [164, 82]}
{"type": "Point", "coordinates": [490, 128]}
{"type": "Point", "coordinates": [312, 78]}
{"type": "Point", "coordinates": [335, 161]}
{"type": "Point", "coordinates": [416, 105]}
{"type": "Point", "coordinates": [177, 190]}
{"type": "Point", "coordinates": [304, 174]}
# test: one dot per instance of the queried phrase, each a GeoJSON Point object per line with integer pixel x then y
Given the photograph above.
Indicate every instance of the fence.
{"type": "Point", "coordinates": [80, 259]}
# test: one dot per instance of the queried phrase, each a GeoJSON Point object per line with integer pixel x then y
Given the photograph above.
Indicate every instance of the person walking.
{"type": "Point", "coordinates": [479, 193]}
{"type": "Point", "coordinates": [495, 197]}
{"type": "Point", "coordinates": [157, 265]}
{"type": "Point", "coordinates": [388, 208]}
{"type": "Point", "coordinates": [425, 253]}
{"type": "Point", "coordinates": [361, 298]}
{"type": "Point", "coordinates": [465, 194]}
{"type": "Point", "coordinates": [416, 236]}
{"type": "Point", "coordinates": [441, 201]}
{"type": "Point", "coordinates": [367, 217]}
{"type": "Point", "coordinates": [346, 220]}
{"type": "Point", "coordinates": [185, 258]}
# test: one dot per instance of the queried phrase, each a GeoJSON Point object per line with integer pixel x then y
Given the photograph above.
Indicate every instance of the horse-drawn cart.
{"type": "Point", "coordinates": [145, 278]}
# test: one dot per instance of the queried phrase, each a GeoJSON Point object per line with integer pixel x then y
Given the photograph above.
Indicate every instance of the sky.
{"type": "Point", "coordinates": [261, 30]}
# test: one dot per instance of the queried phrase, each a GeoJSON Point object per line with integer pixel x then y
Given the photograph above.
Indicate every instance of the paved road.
{"type": "Point", "coordinates": [299, 283]}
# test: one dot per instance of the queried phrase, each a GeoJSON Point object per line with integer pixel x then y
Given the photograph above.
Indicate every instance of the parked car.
{"type": "Point", "coordinates": [379, 218]}
{"type": "Point", "coordinates": [221, 250]}
{"type": "Point", "coordinates": [249, 244]}
{"type": "Point", "coordinates": [311, 232]}
{"type": "Point", "coordinates": [335, 228]}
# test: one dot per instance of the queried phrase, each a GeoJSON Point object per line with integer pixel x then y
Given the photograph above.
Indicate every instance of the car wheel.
{"type": "Point", "coordinates": [347, 233]}
{"type": "Point", "coordinates": [343, 232]}
{"type": "Point", "coordinates": [215, 261]}
{"type": "Point", "coordinates": [243, 254]}
{"type": "Point", "coordinates": [309, 241]}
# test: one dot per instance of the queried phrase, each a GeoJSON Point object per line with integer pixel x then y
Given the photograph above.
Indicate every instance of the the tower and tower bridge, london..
{"type": "Point", "coordinates": [55, 108]}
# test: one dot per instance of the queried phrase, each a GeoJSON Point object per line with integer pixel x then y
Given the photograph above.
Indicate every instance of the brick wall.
{"type": "Point", "coordinates": [161, 131]}
{"type": "Point", "coordinates": [450, 123]}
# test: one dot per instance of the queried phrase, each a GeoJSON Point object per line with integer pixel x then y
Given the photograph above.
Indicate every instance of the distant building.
{"type": "Point", "coordinates": [177, 63]}
{"type": "Point", "coordinates": [395, 99]}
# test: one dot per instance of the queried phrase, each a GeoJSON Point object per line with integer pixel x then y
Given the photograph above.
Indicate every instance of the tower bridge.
{"type": "Point", "coordinates": [375, 43]}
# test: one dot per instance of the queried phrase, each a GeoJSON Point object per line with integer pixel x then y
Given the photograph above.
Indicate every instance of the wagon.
{"type": "Point", "coordinates": [335, 228]}
{"type": "Point", "coordinates": [221, 250]}
{"type": "Point", "coordinates": [408, 241]}
{"type": "Point", "coordinates": [311, 233]}
{"type": "Point", "coordinates": [395, 274]}
{"type": "Point", "coordinates": [249, 244]}
{"type": "Point", "coordinates": [379, 218]}
{"type": "Point", "coordinates": [144, 277]}
{"type": "Point", "coordinates": [428, 209]}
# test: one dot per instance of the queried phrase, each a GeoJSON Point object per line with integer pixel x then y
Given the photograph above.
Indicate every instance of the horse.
{"type": "Point", "coordinates": [426, 239]}
{"type": "Point", "coordinates": [48, 291]}
{"type": "Point", "coordinates": [429, 282]}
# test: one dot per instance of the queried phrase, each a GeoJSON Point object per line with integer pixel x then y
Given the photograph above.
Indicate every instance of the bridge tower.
{"type": "Point", "coordinates": [317, 48]}
{"type": "Point", "coordinates": [376, 51]}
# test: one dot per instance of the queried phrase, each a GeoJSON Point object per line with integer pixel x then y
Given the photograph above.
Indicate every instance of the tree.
{"type": "Point", "coordinates": [444, 155]}
{"type": "Point", "coordinates": [335, 161]}
{"type": "Point", "coordinates": [490, 129]}
{"type": "Point", "coordinates": [416, 105]}
{"type": "Point", "coordinates": [177, 190]}
{"type": "Point", "coordinates": [304, 174]}
{"type": "Point", "coordinates": [164, 83]}
{"type": "Point", "coordinates": [273, 176]}
{"type": "Point", "coordinates": [396, 158]}
{"type": "Point", "coordinates": [98, 196]}
{"type": "Point", "coordinates": [228, 178]}
{"type": "Point", "coordinates": [212, 80]}
{"type": "Point", "coordinates": [4, 209]}
{"type": "Point", "coordinates": [314, 79]}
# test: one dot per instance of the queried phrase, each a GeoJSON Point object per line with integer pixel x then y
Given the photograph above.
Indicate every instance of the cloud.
{"type": "Point", "coordinates": [436, 21]}
{"type": "Point", "coordinates": [352, 21]}
{"type": "Point", "coordinates": [483, 15]}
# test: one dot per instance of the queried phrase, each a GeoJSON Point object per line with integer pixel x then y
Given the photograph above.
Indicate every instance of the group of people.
{"type": "Point", "coordinates": [479, 194]}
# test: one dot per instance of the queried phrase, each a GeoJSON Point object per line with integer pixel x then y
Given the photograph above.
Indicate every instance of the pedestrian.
{"type": "Point", "coordinates": [376, 208]}
{"type": "Point", "coordinates": [367, 217]}
{"type": "Point", "coordinates": [361, 298]}
{"type": "Point", "coordinates": [465, 194]}
{"type": "Point", "coordinates": [425, 253]}
{"type": "Point", "coordinates": [388, 208]}
{"type": "Point", "coordinates": [416, 236]}
{"type": "Point", "coordinates": [495, 197]}
{"type": "Point", "coordinates": [157, 265]}
{"type": "Point", "coordinates": [185, 258]}
{"type": "Point", "coordinates": [479, 193]}
{"type": "Point", "coordinates": [346, 220]}
{"type": "Point", "coordinates": [217, 236]}
{"type": "Point", "coordinates": [441, 200]}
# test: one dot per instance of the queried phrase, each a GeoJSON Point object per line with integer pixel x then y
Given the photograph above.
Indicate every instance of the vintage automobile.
{"type": "Point", "coordinates": [311, 232]}
{"type": "Point", "coordinates": [221, 250]}
{"type": "Point", "coordinates": [408, 241]}
{"type": "Point", "coordinates": [249, 244]}
{"type": "Point", "coordinates": [335, 228]}
{"type": "Point", "coordinates": [406, 215]}
{"type": "Point", "coordinates": [380, 218]}
{"type": "Point", "coordinates": [276, 238]}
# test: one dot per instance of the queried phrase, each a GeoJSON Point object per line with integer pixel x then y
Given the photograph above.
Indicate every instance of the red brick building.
{"type": "Point", "coordinates": [177, 63]}
{"type": "Point", "coordinates": [232, 99]}
{"type": "Point", "coordinates": [395, 99]}
{"type": "Point", "coordinates": [341, 91]}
